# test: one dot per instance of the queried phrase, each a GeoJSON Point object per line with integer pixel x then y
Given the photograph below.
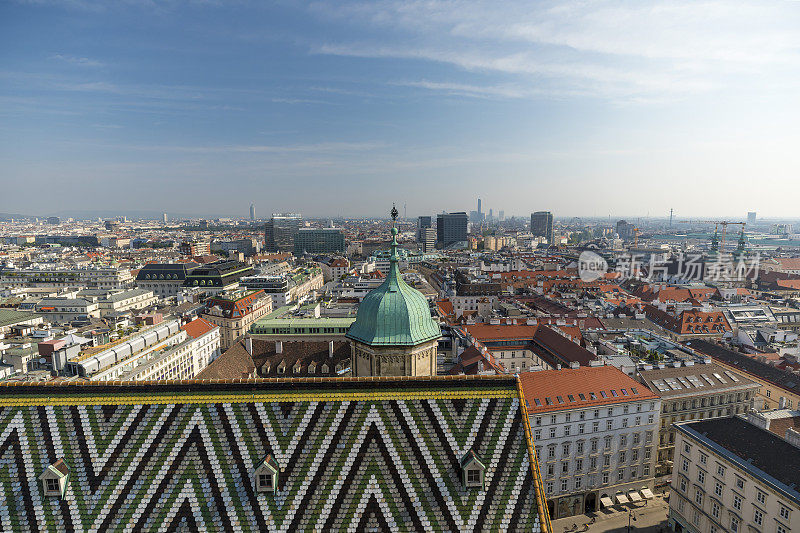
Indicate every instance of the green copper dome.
{"type": "Point", "coordinates": [394, 314]}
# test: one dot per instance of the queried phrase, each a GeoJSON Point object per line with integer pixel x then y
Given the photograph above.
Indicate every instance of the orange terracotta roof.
{"type": "Point", "coordinates": [198, 327]}
{"type": "Point", "coordinates": [502, 331]}
{"type": "Point", "coordinates": [580, 387]}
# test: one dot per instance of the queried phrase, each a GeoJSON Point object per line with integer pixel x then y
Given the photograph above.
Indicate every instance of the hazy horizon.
{"type": "Point", "coordinates": [340, 108]}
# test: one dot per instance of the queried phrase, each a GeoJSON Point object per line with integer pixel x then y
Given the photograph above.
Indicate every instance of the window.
{"type": "Point", "coordinates": [682, 484]}
{"type": "Point", "coordinates": [638, 421]}
{"type": "Point", "coordinates": [647, 453]}
{"type": "Point", "coordinates": [579, 447]}
{"type": "Point", "coordinates": [581, 428]}
{"type": "Point", "coordinates": [687, 448]}
{"type": "Point", "coordinates": [610, 424]}
{"type": "Point", "coordinates": [578, 482]}
{"type": "Point", "coordinates": [761, 497]}
{"type": "Point", "coordinates": [624, 423]}
{"type": "Point", "coordinates": [622, 457]}
{"type": "Point", "coordinates": [563, 485]}
{"type": "Point", "coordinates": [758, 517]}
{"type": "Point", "coordinates": [703, 458]}
{"type": "Point", "coordinates": [781, 529]}
{"type": "Point", "coordinates": [606, 460]}
{"type": "Point", "coordinates": [568, 417]}
{"type": "Point", "coordinates": [265, 481]}
{"type": "Point", "coordinates": [737, 502]}
{"type": "Point", "coordinates": [594, 445]}
{"type": "Point", "coordinates": [718, 488]}
{"type": "Point", "coordinates": [635, 455]}
{"type": "Point", "coordinates": [623, 440]}
{"type": "Point", "coordinates": [715, 510]}
{"type": "Point", "coordinates": [596, 412]}
{"type": "Point", "coordinates": [473, 476]}
{"type": "Point", "coordinates": [696, 518]}
{"type": "Point", "coordinates": [592, 463]}
{"type": "Point", "coordinates": [734, 524]}
{"type": "Point", "coordinates": [582, 414]}
{"type": "Point", "coordinates": [595, 427]}
{"type": "Point", "coordinates": [566, 431]}
{"type": "Point", "coordinates": [553, 419]}
{"type": "Point", "coordinates": [636, 439]}
{"type": "Point", "coordinates": [537, 434]}
{"type": "Point", "coordinates": [685, 465]}
{"type": "Point", "coordinates": [605, 478]}
{"type": "Point", "coordinates": [739, 483]}
{"type": "Point", "coordinates": [551, 451]}
{"type": "Point", "coordinates": [538, 420]}
{"type": "Point", "coordinates": [565, 467]}
{"type": "Point", "coordinates": [720, 470]}
{"type": "Point", "coordinates": [784, 512]}
{"type": "Point", "coordinates": [650, 419]}
{"type": "Point", "coordinates": [549, 487]}
{"type": "Point", "coordinates": [52, 485]}
{"type": "Point", "coordinates": [607, 442]}
{"type": "Point", "coordinates": [698, 497]}
{"type": "Point", "coordinates": [646, 470]}
{"type": "Point", "coordinates": [565, 449]}
{"type": "Point", "coordinates": [701, 477]}
{"type": "Point", "coordinates": [681, 504]}
{"type": "Point", "coordinates": [552, 433]}
{"type": "Point", "coordinates": [620, 474]}
{"type": "Point", "coordinates": [550, 470]}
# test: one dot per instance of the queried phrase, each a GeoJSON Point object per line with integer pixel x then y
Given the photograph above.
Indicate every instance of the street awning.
{"type": "Point", "coordinates": [621, 498]}
{"type": "Point", "coordinates": [647, 493]}
{"type": "Point", "coordinates": [634, 496]}
{"type": "Point", "coordinates": [606, 501]}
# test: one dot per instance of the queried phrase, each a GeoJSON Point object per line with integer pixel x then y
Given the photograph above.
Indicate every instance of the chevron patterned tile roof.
{"type": "Point", "coordinates": [371, 454]}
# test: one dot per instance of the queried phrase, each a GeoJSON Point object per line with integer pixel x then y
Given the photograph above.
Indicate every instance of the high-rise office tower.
{"type": "Point", "coordinates": [166, 219]}
{"type": "Point", "coordinates": [424, 222]}
{"type": "Point", "coordinates": [280, 231]}
{"type": "Point", "coordinates": [501, 215]}
{"type": "Point", "coordinates": [542, 225]}
{"type": "Point", "coordinates": [479, 207]}
{"type": "Point", "coordinates": [252, 212]}
{"type": "Point", "coordinates": [451, 229]}
{"type": "Point", "coordinates": [318, 241]}
{"type": "Point", "coordinates": [751, 218]}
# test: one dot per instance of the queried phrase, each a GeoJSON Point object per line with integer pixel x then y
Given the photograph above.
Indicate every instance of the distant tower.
{"type": "Point", "coordinates": [670, 217]}
{"type": "Point", "coordinates": [252, 212]}
{"type": "Point", "coordinates": [740, 247]}
{"type": "Point", "coordinates": [479, 207]}
{"type": "Point", "coordinates": [751, 218]}
{"type": "Point", "coordinates": [165, 218]}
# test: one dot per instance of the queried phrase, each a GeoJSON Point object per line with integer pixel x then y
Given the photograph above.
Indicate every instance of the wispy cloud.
{"type": "Point", "coordinates": [77, 60]}
{"type": "Point", "coordinates": [638, 51]}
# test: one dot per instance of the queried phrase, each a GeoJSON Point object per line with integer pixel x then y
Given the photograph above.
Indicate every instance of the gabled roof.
{"type": "Point", "coordinates": [556, 390]}
{"type": "Point", "coordinates": [198, 327]}
{"type": "Point", "coordinates": [353, 454]}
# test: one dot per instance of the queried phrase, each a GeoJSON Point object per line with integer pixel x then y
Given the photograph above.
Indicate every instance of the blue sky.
{"type": "Point", "coordinates": [622, 109]}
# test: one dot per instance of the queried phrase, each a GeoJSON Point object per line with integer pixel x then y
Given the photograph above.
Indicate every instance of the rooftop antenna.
{"type": "Point", "coordinates": [670, 217]}
{"type": "Point", "coordinates": [405, 213]}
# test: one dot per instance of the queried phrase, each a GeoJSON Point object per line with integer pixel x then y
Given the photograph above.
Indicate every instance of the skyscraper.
{"type": "Point", "coordinates": [280, 231]}
{"type": "Point", "coordinates": [318, 241]}
{"type": "Point", "coordinates": [166, 219]}
{"type": "Point", "coordinates": [252, 212]}
{"type": "Point", "coordinates": [542, 225]}
{"type": "Point", "coordinates": [751, 218]}
{"type": "Point", "coordinates": [451, 229]}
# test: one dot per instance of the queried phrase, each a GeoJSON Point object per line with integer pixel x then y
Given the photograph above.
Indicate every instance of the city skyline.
{"type": "Point", "coordinates": [316, 107]}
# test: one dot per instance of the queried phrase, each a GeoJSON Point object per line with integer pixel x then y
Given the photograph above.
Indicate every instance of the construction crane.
{"type": "Point", "coordinates": [717, 224]}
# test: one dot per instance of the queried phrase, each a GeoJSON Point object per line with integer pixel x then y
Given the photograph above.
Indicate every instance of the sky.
{"type": "Point", "coordinates": [341, 108]}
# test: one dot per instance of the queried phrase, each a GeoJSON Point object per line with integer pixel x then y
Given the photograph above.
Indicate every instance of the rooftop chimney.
{"type": "Point", "coordinates": [278, 346]}
{"type": "Point", "coordinates": [248, 344]}
{"type": "Point", "coordinates": [330, 349]}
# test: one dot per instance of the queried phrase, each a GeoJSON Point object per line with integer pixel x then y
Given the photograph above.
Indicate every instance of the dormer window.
{"type": "Point", "coordinates": [472, 471]}
{"type": "Point", "coordinates": [266, 474]}
{"type": "Point", "coordinates": [54, 479]}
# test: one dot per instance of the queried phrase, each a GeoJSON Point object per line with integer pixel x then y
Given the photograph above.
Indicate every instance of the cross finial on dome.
{"type": "Point", "coordinates": [394, 212]}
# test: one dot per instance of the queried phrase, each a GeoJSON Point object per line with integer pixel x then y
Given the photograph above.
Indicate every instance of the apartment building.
{"type": "Point", "coordinates": [694, 392]}
{"type": "Point", "coordinates": [93, 278]}
{"type": "Point", "coordinates": [594, 432]}
{"type": "Point", "coordinates": [59, 310]}
{"type": "Point", "coordinates": [164, 350]}
{"type": "Point", "coordinates": [122, 301]}
{"type": "Point", "coordinates": [235, 311]}
{"type": "Point", "coordinates": [529, 346]}
{"type": "Point", "coordinates": [164, 279]}
{"type": "Point", "coordinates": [184, 360]}
{"type": "Point", "coordinates": [733, 476]}
{"type": "Point", "coordinates": [778, 389]}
